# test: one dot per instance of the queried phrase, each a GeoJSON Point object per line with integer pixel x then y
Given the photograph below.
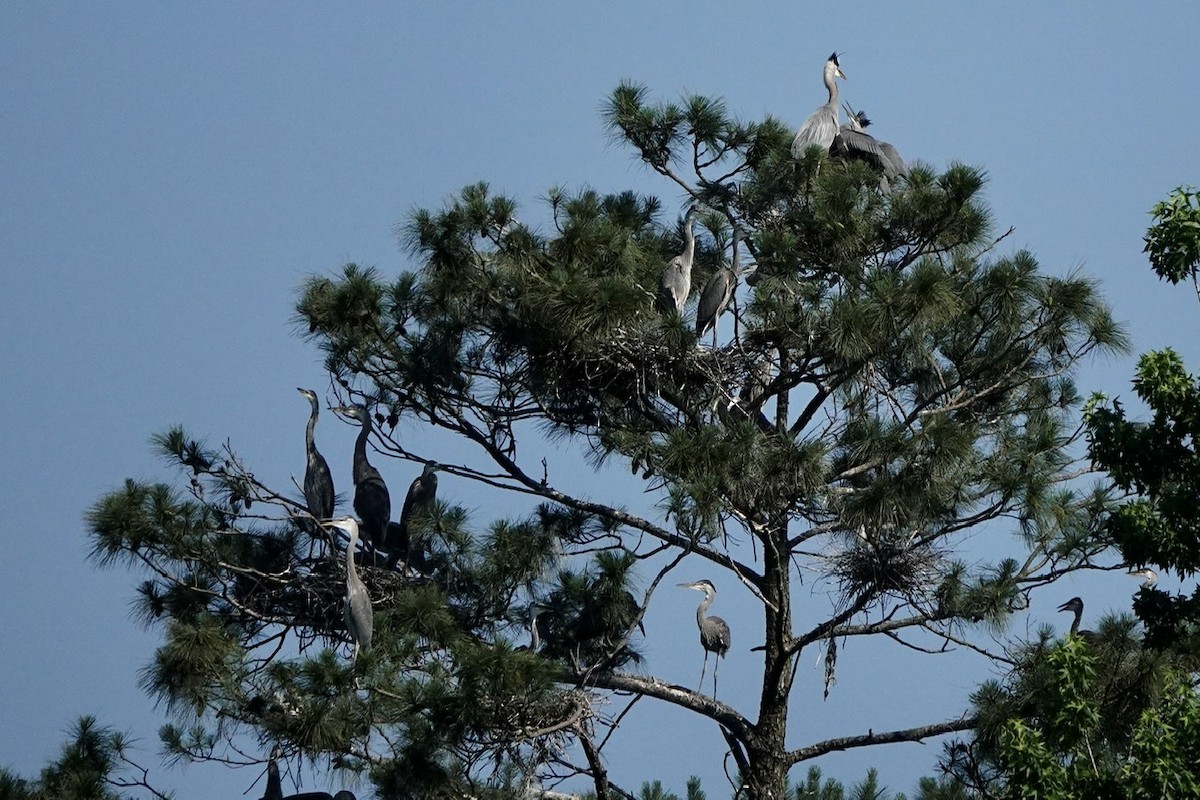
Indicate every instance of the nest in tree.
{"type": "Point", "coordinates": [888, 564]}
{"type": "Point", "coordinates": [514, 718]}
{"type": "Point", "coordinates": [629, 371]}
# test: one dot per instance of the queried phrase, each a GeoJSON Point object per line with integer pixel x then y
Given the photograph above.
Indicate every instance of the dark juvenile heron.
{"type": "Point", "coordinates": [275, 787]}
{"type": "Point", "coordinates": [714, 631]}
{"type": "Point", "coordinates": [676, 282]}
{"type": "Point", "coordinates": [718, 293]}
{"type": "Point", "coordinates": [821, 125]}
{"type": "Point", "coordinates": [1075, 605]}
{"type": "Point", "coordinates": [422, 493]}
{"type": "Point", "coordinates": [318, 482]}
{"type": "Point", "coordinates": [1149, 577]}
{"type": "Point", "coordinates": [372, 502]}
{"type": "Point", "coordinates": [852, 141]}
{"type": "Point", "coordinates": [360, 621]}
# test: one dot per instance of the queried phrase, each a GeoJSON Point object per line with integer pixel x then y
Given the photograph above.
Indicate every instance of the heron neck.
{"type": "Point", "coordinates": [361, 465]}
{"type": "Point", "coordinates": [1078, 619]}
{"type": "Point", "coordinates": [351, 568]}
{"type": "Point", "coordinates": [312, 425]}
{"type": "Point", "coordinates": [831, 85]}
{"type": "Point", "coordinates": [689, 249]}
{"type": "Point", "coordinates": [703, 607]}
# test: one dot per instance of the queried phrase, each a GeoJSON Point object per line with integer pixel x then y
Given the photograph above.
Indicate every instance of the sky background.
{"type": "Point", "coordinates": [172, 172]}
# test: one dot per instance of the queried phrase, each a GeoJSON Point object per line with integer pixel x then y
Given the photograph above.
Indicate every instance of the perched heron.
{"type": "Point", "coordinates": [1149, 577]}
{"type": "Point", "coordinates": [821, 125]}
{"type": "Point", "coordinates": [676, 282]}
{"type": "Point", "coordinates": [718, 293]}
{"type": "Point", "coordinates": [372, 502]}
{"type": "Point", "coordinates": [359, 616]}
{"type": "Point", "coordinates": [852, 141]}
{"type": "Point", "coordinates": [421, 495]}
{"type": "Point", "coordinates": [275, 787]}
{"type": "Point", "coordinates": [714, 631]}
{"type": "Point", "coordinates": [1075, 605]}
{"type": "Point", "coordinates": [318, 482]}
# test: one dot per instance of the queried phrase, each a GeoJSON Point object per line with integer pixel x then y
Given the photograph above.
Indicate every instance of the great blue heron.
{"type": "Point", "coordinates": [422, 492]}
{"type": "Point", "coordinates": [821, 125]}
{"type": "Point", "coordinates": [718, 293]}
{"type": "Point", "coordinates": [1075, 605]}
{"type": "Point", "coordinates": [852, 141]}
{"type": "Point", "coordinates": [1149, 577]}
{"type": "Point", "coordinates": [360, 620]}
{"type": "Point", "coordinates": [275, 787]}
{"type": "Point", "coordinates": [318, 482]}
{"type": "Point", "coordinates": [676, 282]}
{"type": "Point", "coordinates": [714, 631]}
{"type": "Point", "coordinates": [372, 502]}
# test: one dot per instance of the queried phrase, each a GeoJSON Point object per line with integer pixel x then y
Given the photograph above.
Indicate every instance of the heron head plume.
{"type": "Point", "coordinates": [832, 66]}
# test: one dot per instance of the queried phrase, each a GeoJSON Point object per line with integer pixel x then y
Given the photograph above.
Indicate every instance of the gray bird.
{"type": "Point", "coordinates": [676, 282]}
{"type": "Point", "coordinates": [1075, 605]}
{"type": "Point", "coordinates": [714, 631]}
{"type": "Point", "coordinates": [718, 293]}
{"type": "Point", "coordinates": [318, 481]}
{"type": "Point", "coordinates": [421, 495]}
{"type": "Point", "coordinates": [360, 620]}
{"type": "Point", "coordinates": [822, 125]}
{"type": "Point", "coordinates": [852, 141]}
{"type": "Point", "coordinates": [372, 502]}
{"type": "Point", "coordinates": [1149, 577]}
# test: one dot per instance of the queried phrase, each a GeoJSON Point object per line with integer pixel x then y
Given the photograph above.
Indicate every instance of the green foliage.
{"type": "Point", "coordinates": [1155, 462]}
{"type": "Point", "coordinates": [1173, 241]}
{"type": "Point", "coordinates": [94, 764]}
{"type": "Point", "coordinates": [890, 385]}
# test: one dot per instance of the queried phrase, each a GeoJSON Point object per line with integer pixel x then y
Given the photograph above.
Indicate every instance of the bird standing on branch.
{"type": "Point", "coordinates": [714, 631]}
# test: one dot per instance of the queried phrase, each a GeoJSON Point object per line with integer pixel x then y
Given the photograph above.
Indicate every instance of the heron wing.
{"type": "Point", "coordinates": [673, 286]}
{"type": "Point", "coordinates": [373, 505]}
{"type": "Point", "coordinates": [714, 300]}
{"type": "Point", "coordinates": [360, 617]}
{"type": "Point", "coordinates": [715, 635]}
{"type": "Point", "coordinates": [819, 129]}
{"type": "Point", "coordinates": [895, 164]}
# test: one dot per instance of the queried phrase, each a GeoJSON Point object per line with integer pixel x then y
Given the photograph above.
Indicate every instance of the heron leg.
{"type": "Point", "coordinates": [703, 669]}
{"type": "Point", "coordinates": [716, 665]}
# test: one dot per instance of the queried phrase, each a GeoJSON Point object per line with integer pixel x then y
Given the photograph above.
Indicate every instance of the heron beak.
{"type": "Point", "coordinates": [841, 74]}
{"type": "Point", "coordinates": [1064, 606]}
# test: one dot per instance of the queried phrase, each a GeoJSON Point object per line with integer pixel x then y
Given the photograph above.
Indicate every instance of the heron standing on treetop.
{"type": "Point", "coordinates": [822, 125]}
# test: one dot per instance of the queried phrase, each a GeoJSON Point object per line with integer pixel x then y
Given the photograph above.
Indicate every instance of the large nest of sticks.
{"type": "Point", "coordinates": [888, 564]}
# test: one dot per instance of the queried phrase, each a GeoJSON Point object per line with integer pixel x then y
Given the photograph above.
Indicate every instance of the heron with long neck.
{"type": "Point", "coordinates": [422, 493]}
{"type": "Point", "coordinates": [675, 284]}
{"type": "Point", "coordinates": [1075, 605]}
{"type": "Point", "coordinates": [718, 292]}
{"type": "Point", "coordinates": [372, 502]}
{"type": "Point", "coordinates": [318, 481]}
{"type": "Point", "coordinates": [821, 125]}
{"type": "Point", "coordinates": [360, 622]}
{"type": "Point", "coordinates": [714, 631]}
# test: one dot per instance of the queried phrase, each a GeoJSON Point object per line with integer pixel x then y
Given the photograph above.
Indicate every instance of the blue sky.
{"type": "Point", "coordinates": [171, 172]}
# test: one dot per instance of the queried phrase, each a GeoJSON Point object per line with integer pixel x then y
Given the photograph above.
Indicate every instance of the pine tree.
{"type": "Point", "coordinates": [885, 384]}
